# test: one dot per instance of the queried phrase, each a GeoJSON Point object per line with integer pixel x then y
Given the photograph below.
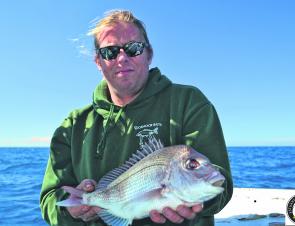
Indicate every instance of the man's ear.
{"type": "Point", "coordinates": [150, 60]}
{"type": "Point", "coordinates": [150, 55]}
{"type": "Point", "coordinates": [98, 62]}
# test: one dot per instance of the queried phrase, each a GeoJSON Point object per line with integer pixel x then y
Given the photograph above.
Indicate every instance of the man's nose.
{"type": "Point", "coordinates": [122, 56]}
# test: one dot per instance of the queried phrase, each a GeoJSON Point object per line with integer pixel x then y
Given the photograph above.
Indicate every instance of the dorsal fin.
{"type": "Point", "coordinates": [146, 149]}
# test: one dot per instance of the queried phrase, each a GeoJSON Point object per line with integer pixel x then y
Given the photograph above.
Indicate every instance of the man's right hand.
{"type": "Point", "coordinates": [84, 212]}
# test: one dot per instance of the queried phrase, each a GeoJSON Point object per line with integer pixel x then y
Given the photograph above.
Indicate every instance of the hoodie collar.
{"type": "Point", "coordinates": [156, 83]}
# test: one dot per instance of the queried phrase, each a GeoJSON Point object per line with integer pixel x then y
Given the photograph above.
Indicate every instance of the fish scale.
{"type": "Point", "coordinates": [133, 185]}
{"type": "Point", "coordinates": [141, 177]}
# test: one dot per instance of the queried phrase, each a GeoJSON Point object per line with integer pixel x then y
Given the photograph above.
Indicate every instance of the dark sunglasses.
{"type": "Point", "coordinates": [131, 49]}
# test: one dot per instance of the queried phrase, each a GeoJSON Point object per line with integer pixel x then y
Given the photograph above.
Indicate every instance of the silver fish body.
{"type": "Point", "coordinates": [154, 178]}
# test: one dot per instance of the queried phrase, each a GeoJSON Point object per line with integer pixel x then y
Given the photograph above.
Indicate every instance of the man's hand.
{"type": "Point", "coordinates": [176, 216]}
{"type": "Point", "coordinates": [84, 212]}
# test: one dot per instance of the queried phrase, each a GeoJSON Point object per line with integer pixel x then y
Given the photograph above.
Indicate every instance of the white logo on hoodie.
{"type": "Point", "coordinates": [147, 132]}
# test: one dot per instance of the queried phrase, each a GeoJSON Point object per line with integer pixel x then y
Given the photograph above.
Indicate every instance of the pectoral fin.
{"type": "Point", "coordinates": [112, 220]}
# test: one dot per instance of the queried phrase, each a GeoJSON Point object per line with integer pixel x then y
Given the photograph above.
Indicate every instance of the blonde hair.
{"type": "Point", "coordinates": [114, 17]}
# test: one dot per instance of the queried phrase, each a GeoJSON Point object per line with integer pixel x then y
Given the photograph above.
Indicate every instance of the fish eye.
{"type": "Point", "coordinates": [192, 164]}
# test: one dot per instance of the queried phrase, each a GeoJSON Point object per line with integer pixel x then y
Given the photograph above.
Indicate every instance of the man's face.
{"type": "Point", "coordinates": [125, 75]}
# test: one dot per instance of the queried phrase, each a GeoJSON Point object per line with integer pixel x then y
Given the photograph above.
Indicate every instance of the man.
{"type": "Point", "coordinates": [131, 105]}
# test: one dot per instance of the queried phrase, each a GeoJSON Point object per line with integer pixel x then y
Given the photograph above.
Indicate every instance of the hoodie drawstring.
{"type": "Point", "coordinates": [101, 144]}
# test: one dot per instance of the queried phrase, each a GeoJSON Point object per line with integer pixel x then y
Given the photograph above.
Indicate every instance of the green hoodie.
{"type": "Point", "coordinates": [102, 136]}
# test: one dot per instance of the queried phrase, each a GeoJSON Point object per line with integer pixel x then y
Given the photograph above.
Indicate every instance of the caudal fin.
{"type": "Point", "coordinates": [75, 198]}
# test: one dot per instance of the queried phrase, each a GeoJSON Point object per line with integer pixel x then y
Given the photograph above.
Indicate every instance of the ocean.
{"type": "Point", "coordinates": [22, 169]}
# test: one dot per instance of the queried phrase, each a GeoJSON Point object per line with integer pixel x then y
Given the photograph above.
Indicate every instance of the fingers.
{"type": "Point", "coordinates": [176, 216]}
{"type": "Point", "coordinates": [87, 185]}
{"type": "Point", "coordinates": [185, 212]}
{"type": "Point", "coordinates": [86, 213]}
{"type": "Point", "coordinates": [91, 214]}
{"type": "Point", "coordinates": [157, 217]}
{"type": "Point", "coordinates": [197, 208]}
{"type": "Point", "coordinates": [78, 211]}
{"type": "Point", "coordinates": [172, 215]}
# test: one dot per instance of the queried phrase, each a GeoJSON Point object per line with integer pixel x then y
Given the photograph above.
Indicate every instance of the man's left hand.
{"type": "Point", "coordinates": [176, 216]}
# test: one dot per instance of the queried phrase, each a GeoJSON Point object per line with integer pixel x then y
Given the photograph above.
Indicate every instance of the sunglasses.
{"type": "Point", "coordinates": [131, 49]}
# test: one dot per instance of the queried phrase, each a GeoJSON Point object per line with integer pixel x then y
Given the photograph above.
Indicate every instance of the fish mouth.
{"type": "Point", "coordinates": [218, 183]}
{"type": "Point", "coordinates": [216, 180]}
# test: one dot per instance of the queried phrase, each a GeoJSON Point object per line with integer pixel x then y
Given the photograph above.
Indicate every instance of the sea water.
{"type": "Point", "coordinates": [22, 170]}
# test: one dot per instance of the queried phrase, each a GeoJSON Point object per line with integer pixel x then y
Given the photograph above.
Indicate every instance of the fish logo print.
{"type": "Point", "coordinates": [146, 134]}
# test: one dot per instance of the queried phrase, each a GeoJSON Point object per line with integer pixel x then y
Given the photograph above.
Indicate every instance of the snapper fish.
{"type": "Point", "coordinates": [153, 178]}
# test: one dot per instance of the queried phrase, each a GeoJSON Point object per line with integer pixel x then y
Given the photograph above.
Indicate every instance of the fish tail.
{"type": "Point", "coordinates": [75, 198]}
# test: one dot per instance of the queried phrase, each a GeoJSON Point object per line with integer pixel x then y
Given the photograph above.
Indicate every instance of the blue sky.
{"type": "Point", "coordinates": [241, 54]}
